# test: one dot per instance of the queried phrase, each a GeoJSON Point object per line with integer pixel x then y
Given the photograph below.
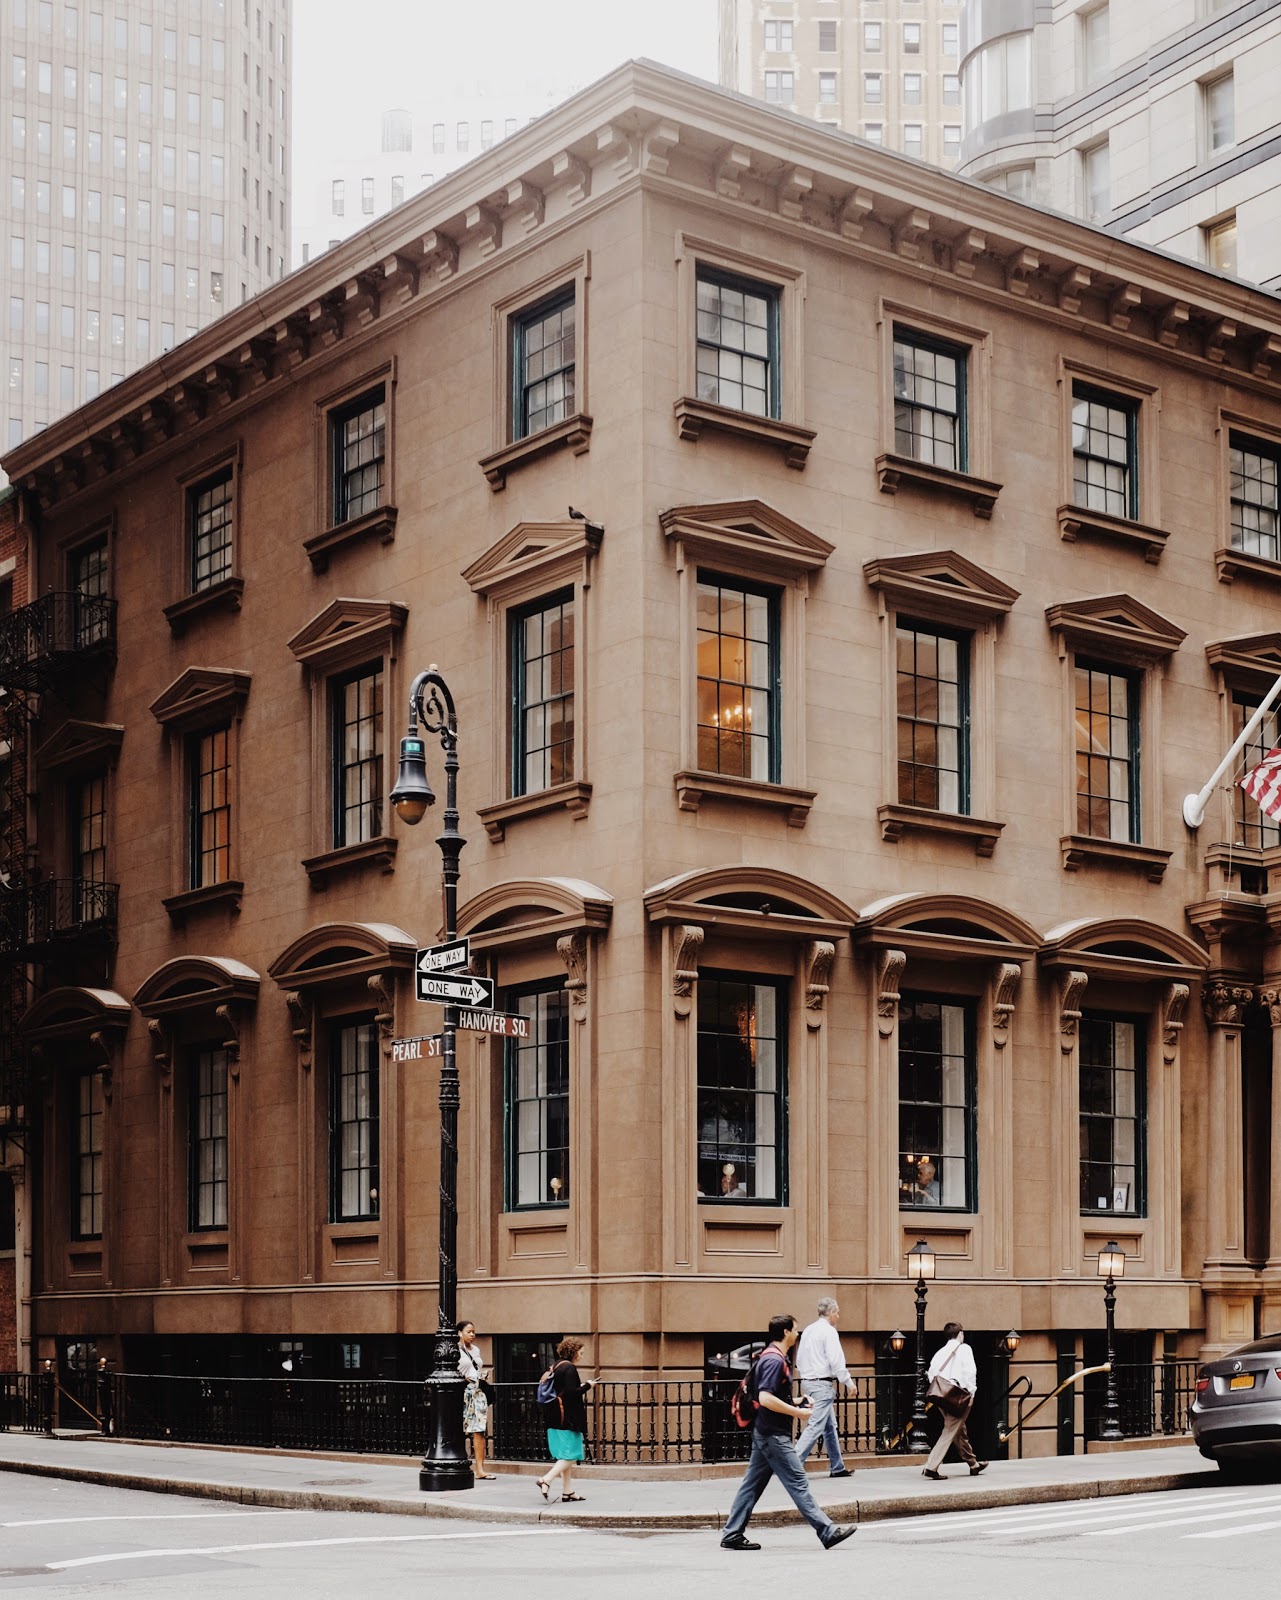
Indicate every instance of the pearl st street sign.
{"type": "Point", "coordinates": [455, 989]}
{"type": "Point", "coordinates": [430, 1047]}
{"type": "Point", "coordinates": [425, 1047]}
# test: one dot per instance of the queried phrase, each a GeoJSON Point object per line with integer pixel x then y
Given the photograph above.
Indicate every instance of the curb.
{"type": "Point", "coordinates": [871, 1510]}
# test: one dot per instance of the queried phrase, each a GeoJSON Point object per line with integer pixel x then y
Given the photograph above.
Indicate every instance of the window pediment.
{"type": "Point", "coordinates": [527, 910]}
{"type": "Point", "coordinates": [746, 533]}
{"type": "Point", "coordinates": [347, 628]}
{"type": "Point", "coordinates": [1250, 659]}
{"type": "Point", "coordinates": [1123, 948]}
{"type": "Point", "coordinates": [193, 983]}
{"type": "Point", "coordinates": [759, 901]}
{"type": "Point", "coordinates": [339, 951]}
{"type": "Point", "coordinates": [940, 584]}
{"type": "Point", "coordinates": [78, 746]}
{"type": "Point", "coordinates": [1118, 625]}
{"type": "Point", "coordinates": [200, 697]}
{"type": "Point", "coordinates": [948, 925]}
{"type": "Point", "coordinates": [533, 554]}
{"type": "Point", "coordinates": [75, 1013]}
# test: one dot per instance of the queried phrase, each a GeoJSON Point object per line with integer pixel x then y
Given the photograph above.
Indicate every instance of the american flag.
{"type": "Point", "coordinates": [1263, 784]}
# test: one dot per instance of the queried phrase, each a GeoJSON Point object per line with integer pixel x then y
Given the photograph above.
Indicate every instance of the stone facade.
{"type": "Point", "coordinates": [740, 928]}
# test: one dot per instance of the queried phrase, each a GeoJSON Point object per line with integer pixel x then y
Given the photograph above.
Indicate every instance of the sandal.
{"type": "Point", "coordinates": [573, 1497]}
{"type": "Point", "coordinates": [543, 1487]}
{"type": "Point", "coordinates": [487, 1475]}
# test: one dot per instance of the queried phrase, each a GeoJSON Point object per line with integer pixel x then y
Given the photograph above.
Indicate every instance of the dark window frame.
{"type": "Point", "coordinates": [563, 602]}
{"type": "Point", "coordinates": [710, 1165]}
{"type": "Point", "coordinates": [211, 530]}
{"type": "Point", "coordinates": [352, 496]}
{"type": "Point", "coordinates": [1251, 540]}
{"type": "Point", "coordinates": [207, 1105]}
{"type": "Point", "coordinates": [914, 339]}
{"type": "Point", "coordinates": [908, 1199]}
{"type": "Point", "coordinates": [370, 768]}
{"type": "Point", "coordinates": [87, 1121]}
{"type": "Point", "coordinates": [772, 295]}
{"type": "Point", "coordinates": [962, 727]}
{"type": "Point", "coordinates": [364, 1031]}
{"type": "Point", "coordinates": [707, 578]}
{"type": "Point", "coordinates": [554, 1108]}
{"type": "Point", "coordinates": [522, 322]}
{"type": "Point", "coordinates": [1133, 759]}
{"type": "Point", "coordinates": [1129, 407]}
{"type": "Point", "coordinates": [1254, 828]}
{"type": "Point", "coordinates": [1089, 1023]}
{"type": "Point", "coordinates": [89, 574]}
{"type": "Point", "coordinates": [205, 860]}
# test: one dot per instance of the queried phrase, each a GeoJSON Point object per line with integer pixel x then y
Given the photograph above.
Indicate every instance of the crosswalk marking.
{"type": "Point", "coordinates": [1232, 1533]}
{"type": "Point", "coordinates": [1084, 1508]}
{"type": "Point", "coordinates": [1179, 1522]}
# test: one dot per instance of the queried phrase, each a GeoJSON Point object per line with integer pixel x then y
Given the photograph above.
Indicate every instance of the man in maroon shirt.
{"type": "Point", "coordinates": [773, 1454]}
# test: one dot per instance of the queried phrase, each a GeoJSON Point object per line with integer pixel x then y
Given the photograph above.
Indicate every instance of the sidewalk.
{"type": "Point", "coordinates": [375, 1483]}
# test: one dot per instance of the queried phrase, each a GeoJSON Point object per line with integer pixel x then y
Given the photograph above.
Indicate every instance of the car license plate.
{"type": "Point", "coordinates": [1243, 1380]}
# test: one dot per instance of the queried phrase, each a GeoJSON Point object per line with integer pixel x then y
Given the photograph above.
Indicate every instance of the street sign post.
{"type": "Point", "coordinates": [443, 957]}
{"type": "Point", "coordinates": [455, 989]}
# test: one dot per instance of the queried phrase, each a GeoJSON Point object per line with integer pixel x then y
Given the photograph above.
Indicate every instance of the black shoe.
{"type": "Point", "coordinates": [738, 1541]}
{"type": "Point", "coordinates": [840, 1532]}
{"type": "Point", "coordinates": [979, 1466]}
{"type": "Point", "coordinates": [840, 1472]}
{"type": "Point", "coordinates": [929, 1472]}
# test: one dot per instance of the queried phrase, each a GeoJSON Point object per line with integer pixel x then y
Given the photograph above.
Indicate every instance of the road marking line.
{"type": "Point", "coordinates": [299, 1544]}
{"type": "Point", "coordinates": [165, 1516]}
{"type": "Point", "coordinates": [1232, 1533]}
{"type": "Point", "coordinates": [1078, 1510]}
{"type": "Point", "coordinates": [1140, 1527]}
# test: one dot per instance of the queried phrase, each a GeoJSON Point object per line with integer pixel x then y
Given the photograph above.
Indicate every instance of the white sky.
{"type": "Point", "coordinates": [350, 63]}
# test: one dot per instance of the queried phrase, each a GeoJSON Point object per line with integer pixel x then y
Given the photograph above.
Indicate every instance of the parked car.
{"type": "Point", "coordinates": [734, 1363]}
{"type": "Point", "coordinates": [1236, 1415]}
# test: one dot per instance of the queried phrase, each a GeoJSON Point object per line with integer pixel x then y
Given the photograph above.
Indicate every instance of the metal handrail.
{"type": "Point", "coordinates": [1003, 1431]}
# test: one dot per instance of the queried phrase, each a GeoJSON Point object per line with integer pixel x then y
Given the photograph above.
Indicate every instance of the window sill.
{"type": "Point", "coordinates": [1080, 850]}
{"type": "Point", "coordinates": [572, 797]}
{"type": "Point", "coordinates": [574, 434]}
{"type": "Point", "coordinates": [1076, 520]}
{"type": "Point", "coordinates": [379, 524]}
{"type": "Point", "coordinates": [894, 472]}
{"type": "Point", "coordinates": [180, 906]}
{"type": "Point", "coordinates": [896, 820]}
{"type": "Point", "coordinates": [224, 596]}
{"type": "Point", "coordinates": [693, 417]}
{"type": "Point", "coordinates": [380, 852]}
{"type": "Point", "coordinates": [1234, 563]}
{"type": "Point", "coordinates": [692, 788]}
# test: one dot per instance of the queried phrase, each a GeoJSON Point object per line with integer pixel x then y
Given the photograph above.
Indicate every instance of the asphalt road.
{"type": "Point", "coordinates": [65, 1539]}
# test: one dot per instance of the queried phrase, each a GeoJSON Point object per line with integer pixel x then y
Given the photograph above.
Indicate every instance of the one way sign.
{"type": "Point", "coordinates": [456, 989]}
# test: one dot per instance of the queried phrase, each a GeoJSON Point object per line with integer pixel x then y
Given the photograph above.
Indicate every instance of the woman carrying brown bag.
{"type": "Point", "coordinates": [953, 1364]}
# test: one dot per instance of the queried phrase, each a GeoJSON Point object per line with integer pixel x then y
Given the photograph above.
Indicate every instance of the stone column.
{"type": "Point", "coordinates": [1067, 1132]}
{"type": "Point", "coordinates": [1270, 995]}
{"type": "Point", "coordinates": [1227, 1282]}
{"type": "Point", "coordinates": [884, 1234]}
{"type": "Point", "coordinates": [1000, 1239]}
{"type": "Point", "coordinates": [681, 948]}
{"type": "Point", "coordinates": [817, 961]}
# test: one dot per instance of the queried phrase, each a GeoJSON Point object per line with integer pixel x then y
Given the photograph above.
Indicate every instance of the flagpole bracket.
{"type": "Point", "coordinates": [1193, 810]}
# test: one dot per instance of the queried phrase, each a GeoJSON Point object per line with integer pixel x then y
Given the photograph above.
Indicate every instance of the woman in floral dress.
{"type": "Point", "coordinates": [475, 1406]}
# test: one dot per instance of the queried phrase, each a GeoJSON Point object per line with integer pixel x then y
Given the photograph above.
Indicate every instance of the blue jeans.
{"type": "Point", "coordinates": [822, 1424]}
{"type": "Point", "coordinates": [774, 1456]}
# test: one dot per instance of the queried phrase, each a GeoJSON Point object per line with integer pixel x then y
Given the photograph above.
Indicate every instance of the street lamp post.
{"type": "Point", "coordinates": [1111, 1267]}
{"type": "Point", "coordinates": [445, 1464]}
{"type": "Point", "coordinates": [920, 1265]}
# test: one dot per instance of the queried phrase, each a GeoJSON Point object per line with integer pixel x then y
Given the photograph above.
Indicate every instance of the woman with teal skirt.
{"type": "Point", "coordinates": [565, 1443]}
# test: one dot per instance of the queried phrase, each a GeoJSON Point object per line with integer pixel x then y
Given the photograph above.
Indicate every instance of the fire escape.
{"type": "Point", "coordinates": [52, 930]}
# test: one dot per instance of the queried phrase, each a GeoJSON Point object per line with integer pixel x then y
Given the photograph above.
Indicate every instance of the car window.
{"type": "Point", "coordinates": [1258, 1347]}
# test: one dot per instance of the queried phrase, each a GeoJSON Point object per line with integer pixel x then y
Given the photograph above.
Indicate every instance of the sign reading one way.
{"type": "Point", "coordinates": [444, 957]}
{"type": "Point", "coordinates": [455, 989]}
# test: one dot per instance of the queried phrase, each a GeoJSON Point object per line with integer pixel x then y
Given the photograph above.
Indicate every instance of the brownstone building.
{"type": "Point", "coordinates": [13, 983]}
{"type": "Point", "coordinates": [821, 772]}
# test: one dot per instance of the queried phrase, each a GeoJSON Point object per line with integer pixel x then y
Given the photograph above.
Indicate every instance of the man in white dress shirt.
{"type": "Point", "coordinates": [820, 1365]}
{"type": "Point", "coordinates": [954, 1360]}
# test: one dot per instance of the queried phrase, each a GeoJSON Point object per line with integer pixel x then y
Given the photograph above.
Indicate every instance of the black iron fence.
{"type": "Point", "coordinates": [52, 634]}
{"type": "Point", "coordinates": [659, 1422]}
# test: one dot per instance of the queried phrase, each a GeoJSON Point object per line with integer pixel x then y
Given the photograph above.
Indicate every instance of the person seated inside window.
{"type": "Point", "coordinates": [927, 1188]}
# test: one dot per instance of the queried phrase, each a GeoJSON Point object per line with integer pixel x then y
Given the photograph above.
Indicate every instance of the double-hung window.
{"type": "Point", "coordinates": [353, 1122]}
{"type": "Point", "coordinates": [778, 37]}
{"type": "Point", "coordinates": [1112, 1114]}
{"type": "Point", "coordinates": [89, 847]}
{"type": "Point", "coordinates": [737, 355]}
{"type": "Point", "coordinates": [1105, 444]}
{"type": "Point", "coordinates": [207, 1141]}
{"type": "Point", "coordinates": [536, 1100]}
{"type": "Point", "coordinates": [357, 745]}
{"type": "Point", "coordinates": [780, 88]}
{"type": "Point", "coordinates": [89, 582]}
{"type": "Point", "coordinates": [1253, 826]}
{"type": "Point", "coordinates": [209, 776]}
{"type": "Point", "coordinates": [937, 1093]}
{"type": "Point", "coordinates": [742, 1088]}
{"type": "Point", "coordinates": [930, 400]}
{"type": "Point", "coordinates": [933, 717]}
{"type": "Point", "coordinates": [359, 451]}
{"type": "Point", "coordinates": [542, 365]}
{"type": "Point", "coordinates": [209, 530]}
{"type": "Point", "coordinates": [86, 1159]}
{"type": "Point", "coordinates": [738, 695]}
{"type": "Point", "coordinates": [542, 690]}
{"type": "Point", "coordinates": [1255, 474]}
{"type": "Point", "coordinates": [1107, 751]}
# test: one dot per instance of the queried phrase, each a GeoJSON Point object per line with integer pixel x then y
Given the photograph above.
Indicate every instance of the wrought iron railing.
{"type": "Point", "coordinates": [57, 910]}
{"type": "Point", "coordinates": [53, 633]}
{"type": "Point", "coordinates": [26, 1401]}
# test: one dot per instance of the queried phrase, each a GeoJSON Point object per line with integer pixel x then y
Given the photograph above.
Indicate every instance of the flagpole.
{"type": "Point", "coordinates": [1194, 804]}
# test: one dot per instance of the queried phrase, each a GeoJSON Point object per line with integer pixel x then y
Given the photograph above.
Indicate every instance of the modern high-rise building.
{"type": "Point", "coordinates": [1160, 122]}
{"type": "Point", "coordinates": [144, 167]}
{"type": "Point", "coordinates": [887, 70]}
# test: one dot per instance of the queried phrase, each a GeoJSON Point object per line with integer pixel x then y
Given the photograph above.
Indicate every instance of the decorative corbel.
{"type": "Point", "coordinates": [1270, 996]}
{"type": "Point", "coordinates": [572, 175]}
{"type": "Point", "coordinates": [967, 247]}
{"type": "Point", "coordinates": [231, 1037]}
{"type": "Point", "coordinates": [322, 326]}
{"type": "Point", "coordinates": [794, 189]}
{"type": "Point", "coordinates": [105, 1046]}
{"type": "Point", "coordinates": [1004, 988]}
{"type": "Point", "coordinates": [1172, 1009]}
{"type": "Point", "coordinates": [733, 166]}
{"type": "Point", "coordinates": [1171, 321]}
{"type": "Point", "coordinates": [853, 212]}
{"type": "Point", "coordinates": [1071, 286]}
{"type": "Point", "coordinates": [485, 225]}
{"type": "Point", "coordinates": [1122, 303]}
{"type": "Point", "coordinates": [253, 365]}
{"type": "Point", "coordinates": [527, 204]}
{"type": "Point", "coordinates": [908, 232]}
{"type": "Point", "coordinates": [1073, 987]}
{"type": "Point", "coordinates": [288, 348]}
{"type": "Point", "coordinates": [657, 147]}
{"type": "Point", "coordinates": [400, 278]}
{"type": "Point", "coordinates": [382, 987]}
{"type": "Point", "coordinates": [1225, 1002]}
{"type": "Point", "coordinates": [301, 1014]}
{"type": "Point", "coordinates": [1019, 268]}
{"type": "Point", "coordinates": [441, 252]}
{"type": "Point", "coordinates": [155, 420]}
{"type": "Point", "coordinates": [161, 1050]}
{"type": "Point", "coordinates": [889, 975]}
{"type": "Point", "coordinates": [125, 442]}
{"type": "Point", "coordinates": [220, 385]}
{"type": "Point", "coordinates": [1264, 355]}
{"type": "Point", "coordinates": [687, 941]}
{"type": "Point", "coordinates": [619, 146]}
{"type": "Point", "coordinates": [572, 949]}
{"type": "Point", "coordinates": [1218, 336]}
{"type": "Point", "coordinates": [360, 298]}
{"type": "Point", "coordinates": [819, 956]}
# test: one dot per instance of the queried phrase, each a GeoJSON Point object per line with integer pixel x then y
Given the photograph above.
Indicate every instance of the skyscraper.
{"type": "Point", "coordinates": [144, 165]}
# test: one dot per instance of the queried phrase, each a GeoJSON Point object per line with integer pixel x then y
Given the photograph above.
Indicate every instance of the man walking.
{"type": "Point", "coordinates": [955, 1361]}
{"type": "Point", "coordinates": [820, 1365]}
{"type": "Point", "coordinates": [773, 1456]}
